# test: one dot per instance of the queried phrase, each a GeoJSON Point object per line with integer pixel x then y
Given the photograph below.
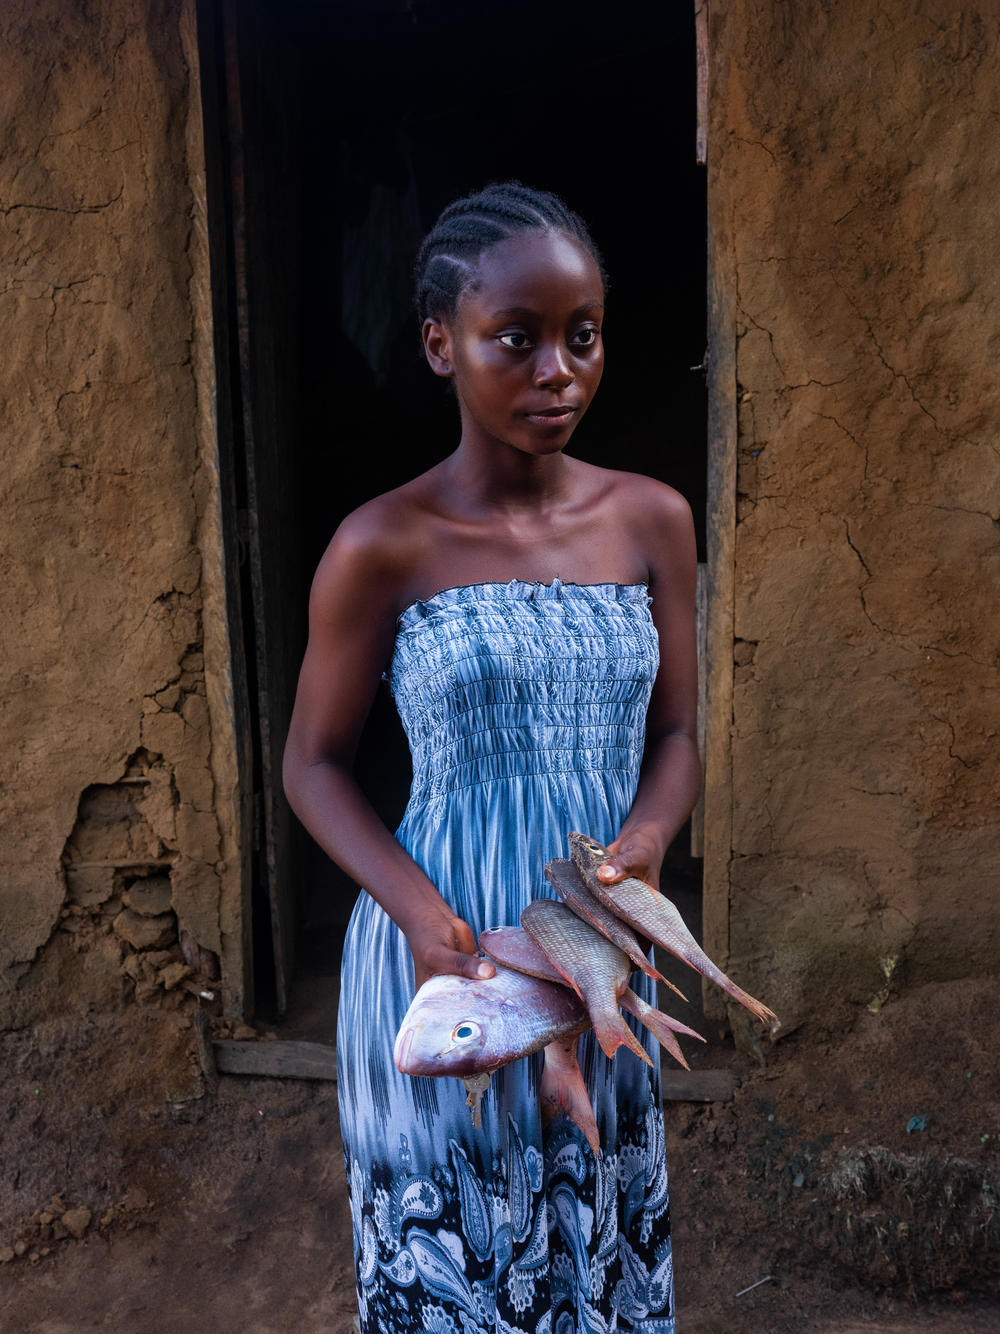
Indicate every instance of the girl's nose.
{"type": "Point", "coordinates": [553, 369]}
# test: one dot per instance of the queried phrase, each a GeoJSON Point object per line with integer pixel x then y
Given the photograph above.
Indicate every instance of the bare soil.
{"type": "Point", "coordinates": [223, 1207]}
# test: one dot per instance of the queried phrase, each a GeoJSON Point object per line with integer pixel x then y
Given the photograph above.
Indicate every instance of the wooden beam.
{"type": "Point", "coordinates": [281, 1060]}
{"type": "Point", "coordinates": [722, 443]}
{"type": "Point", "coordinates": [316, 1060]}
{"type": "Point", "coordinates": [701, 636]}
{"type": "Point", "coordinates": [697, 1085]}
{"type": "Point", "coordinates": [701, 64]}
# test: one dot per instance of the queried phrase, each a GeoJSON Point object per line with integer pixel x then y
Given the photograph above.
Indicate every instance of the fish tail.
{"type": "Point", "coordinates": [756, 1007]}
{"type": "Point", "coordinates": [613, 1032]}
{"type": "Point", "coordinates": [660, 1025]}
{"type": "Point", "coordinates": [650, 971]}
{"type": "Point", "coordinates": [695, 957]}
{"type": "Point", "coordinates": [562, 1090]}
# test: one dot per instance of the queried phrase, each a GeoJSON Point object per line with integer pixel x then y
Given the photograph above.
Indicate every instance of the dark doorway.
{"type": "Point", "coordinates": [340, 131]}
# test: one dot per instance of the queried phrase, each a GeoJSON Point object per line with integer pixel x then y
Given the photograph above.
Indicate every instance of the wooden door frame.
{"type": "Point", "coordinates": [721, 533]}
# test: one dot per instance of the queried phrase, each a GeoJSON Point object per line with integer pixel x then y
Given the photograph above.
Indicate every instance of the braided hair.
{"type": "Point", "coordinates": [446, 262]}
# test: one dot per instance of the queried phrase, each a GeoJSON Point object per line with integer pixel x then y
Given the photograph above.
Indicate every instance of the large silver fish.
{"type": "Point", "coordinates": [652, 913]}
{"type": "Point", "coordinates": [470, 1027]}
{"type": "Point", "coordinates": [465, 1026]}
{"type": "Point", "coordinates": [513, 947]}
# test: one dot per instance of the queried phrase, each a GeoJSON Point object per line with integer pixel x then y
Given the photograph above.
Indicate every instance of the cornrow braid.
{"type": "Point", "coordinates": [446, 262]}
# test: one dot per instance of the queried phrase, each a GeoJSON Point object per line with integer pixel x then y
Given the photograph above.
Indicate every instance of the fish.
{"type": "Point", "coordinates": [597, 969]}
{"type": "Point", "coordinates": [502, 1019]}
{"type": "Point", "coordinates": [466, 1026]}
{"type": "Point", "coordinates": [650, 912]}
{"type": "Point", "coordinates": [568, 883]}
{"type": "Point", "coordinates": [513, 947]}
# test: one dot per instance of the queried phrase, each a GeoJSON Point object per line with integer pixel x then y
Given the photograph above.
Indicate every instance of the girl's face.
{"type": "Point", "coordinates": [524, 345]}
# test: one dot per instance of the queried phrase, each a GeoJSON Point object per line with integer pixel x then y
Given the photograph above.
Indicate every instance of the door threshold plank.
{"type": "Point", "coordinates": [698, 1085]}
{"type": "Point", "coordinates": [288, 1059]}
{"type": "Point", "coordinates": [283, 1059]}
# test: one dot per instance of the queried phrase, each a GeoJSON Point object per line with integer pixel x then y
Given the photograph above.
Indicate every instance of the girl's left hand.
{"type": "Point", "coordinates": [638, 853]}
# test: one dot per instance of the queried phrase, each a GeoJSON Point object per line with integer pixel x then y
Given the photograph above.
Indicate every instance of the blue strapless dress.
{"type": "Point", "coordinates": [525, 706]}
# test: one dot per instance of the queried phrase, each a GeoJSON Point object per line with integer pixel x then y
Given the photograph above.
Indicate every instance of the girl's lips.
{"type": "Point", "coordinates": [557, 414]}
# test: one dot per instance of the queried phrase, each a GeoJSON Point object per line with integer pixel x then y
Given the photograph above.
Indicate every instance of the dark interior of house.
{"type": "Point", "coordinates": [336, 132]}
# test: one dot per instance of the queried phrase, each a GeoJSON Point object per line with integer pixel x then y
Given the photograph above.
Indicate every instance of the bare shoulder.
{"type": "Point", "coordinates": [646, 499]}
{"type": "Point", "coordinates": [372, 551]}
{"type": "Point", "coordinates": [655, 519]}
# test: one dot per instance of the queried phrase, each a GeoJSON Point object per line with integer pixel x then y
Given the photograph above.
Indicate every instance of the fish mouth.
{"type": "Point", "coordinates": [402, 1052]}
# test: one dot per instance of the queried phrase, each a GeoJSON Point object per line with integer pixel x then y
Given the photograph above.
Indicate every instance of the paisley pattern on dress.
{"type": "Point", "coordinates": [524, 705]}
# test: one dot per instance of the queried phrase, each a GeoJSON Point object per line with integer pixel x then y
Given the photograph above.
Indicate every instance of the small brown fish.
{"type": "Point", "coordinates": [597, 970]}
{"type": "Point", "coordinates": [652, 913]}
{"type": "Point", "coordinates": [513, 947]}
{"type": "Point", "coordinates": [568, 883]}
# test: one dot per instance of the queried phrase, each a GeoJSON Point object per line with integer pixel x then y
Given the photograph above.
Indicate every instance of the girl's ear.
{"type": "Point", "coordinates": [437, 348]}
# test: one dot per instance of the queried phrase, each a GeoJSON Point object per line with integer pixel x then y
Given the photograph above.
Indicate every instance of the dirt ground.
{"type": "Point", "coordinates": [848, 1186]}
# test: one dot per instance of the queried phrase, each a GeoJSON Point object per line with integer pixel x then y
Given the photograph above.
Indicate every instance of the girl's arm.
{"type": "Point", "coordinates": [670, 777]}
{"type": "Point", "coordinates": [352, 614]}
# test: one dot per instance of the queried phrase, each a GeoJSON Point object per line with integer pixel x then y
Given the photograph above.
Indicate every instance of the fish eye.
{"type": "Point", "coordinates": [465, 1031]}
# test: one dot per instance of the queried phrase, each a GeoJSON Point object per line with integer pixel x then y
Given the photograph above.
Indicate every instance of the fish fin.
{"type": "Point", "coordinates": [562, 1090]}
{"type": "Point", "coordinates": [756, 1007]}
{"type": "Point", "coordinates": [613, 1032]}
{"type": "Point", "coordinates": [630, 999]}
{"type": "Point", "coordinates": [650, 971]}
{"type": "Point", "coordinates": [659, 1024]}
{"type": "Point", "coordinates": [701, 963]}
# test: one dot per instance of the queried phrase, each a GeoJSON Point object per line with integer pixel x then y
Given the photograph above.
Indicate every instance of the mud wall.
{"type": "Point", "coordinates": [854, 168]}
{"type": "Point", "coordinates": [117, 786]}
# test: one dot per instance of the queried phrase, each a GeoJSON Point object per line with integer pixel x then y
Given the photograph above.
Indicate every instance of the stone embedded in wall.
{"type": "Point", "coordinates": [149, 897]}
{"type": "Point", "coordinates": [90, 886]}
{"type": "Point", "coordinates": [145, 933]}
{"type": "Point", "coordinates": [172, 975]}
{"type": "Point", "coordinates": [120, 862]}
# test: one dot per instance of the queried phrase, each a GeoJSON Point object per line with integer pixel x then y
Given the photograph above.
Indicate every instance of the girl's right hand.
{"type": "Point", "coordinates": [445, 945]}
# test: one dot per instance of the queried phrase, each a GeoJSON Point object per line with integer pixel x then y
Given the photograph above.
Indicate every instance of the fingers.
{"type": "Point", "coordinates": [633, 857]}
{"type": "Point", "coordinates": [453, 963]}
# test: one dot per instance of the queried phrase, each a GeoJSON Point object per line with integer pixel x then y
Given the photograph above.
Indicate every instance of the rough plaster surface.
{"type": "Point", "coordinates": [855, 167]}
{"type": "Point", "coordinates": [104, 498]}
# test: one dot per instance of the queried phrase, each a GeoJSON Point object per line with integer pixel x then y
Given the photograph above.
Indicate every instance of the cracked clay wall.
{"type": "Point", "coordinates": [854, 169]}
{"type": "Point", "coordinates": [117, 783]}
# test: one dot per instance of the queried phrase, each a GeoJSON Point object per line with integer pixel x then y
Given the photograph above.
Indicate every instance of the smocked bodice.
{"type": "Point", "coordinates": [498, 681]}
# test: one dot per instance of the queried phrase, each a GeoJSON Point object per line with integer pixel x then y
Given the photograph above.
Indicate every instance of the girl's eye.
{"type": "Point", "coordinates": [518, 341]}
{"type": "Point", "coordinates": [465, 1031]}
{"type": "Point", "coordinates": [586, 337]}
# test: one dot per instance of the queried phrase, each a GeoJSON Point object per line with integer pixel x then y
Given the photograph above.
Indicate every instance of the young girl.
{"type": "Point", "coordinates": [536, 616]}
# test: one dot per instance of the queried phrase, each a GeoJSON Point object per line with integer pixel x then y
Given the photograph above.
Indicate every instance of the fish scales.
{"type": "Point", "coordinates": [652, 913]}
{"type": "Point", "coordinates": [596, 968]}
{"type": "Point", "coordinates": [566, 880]}
{"type": "Point", "coordinates": [514, 948]}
